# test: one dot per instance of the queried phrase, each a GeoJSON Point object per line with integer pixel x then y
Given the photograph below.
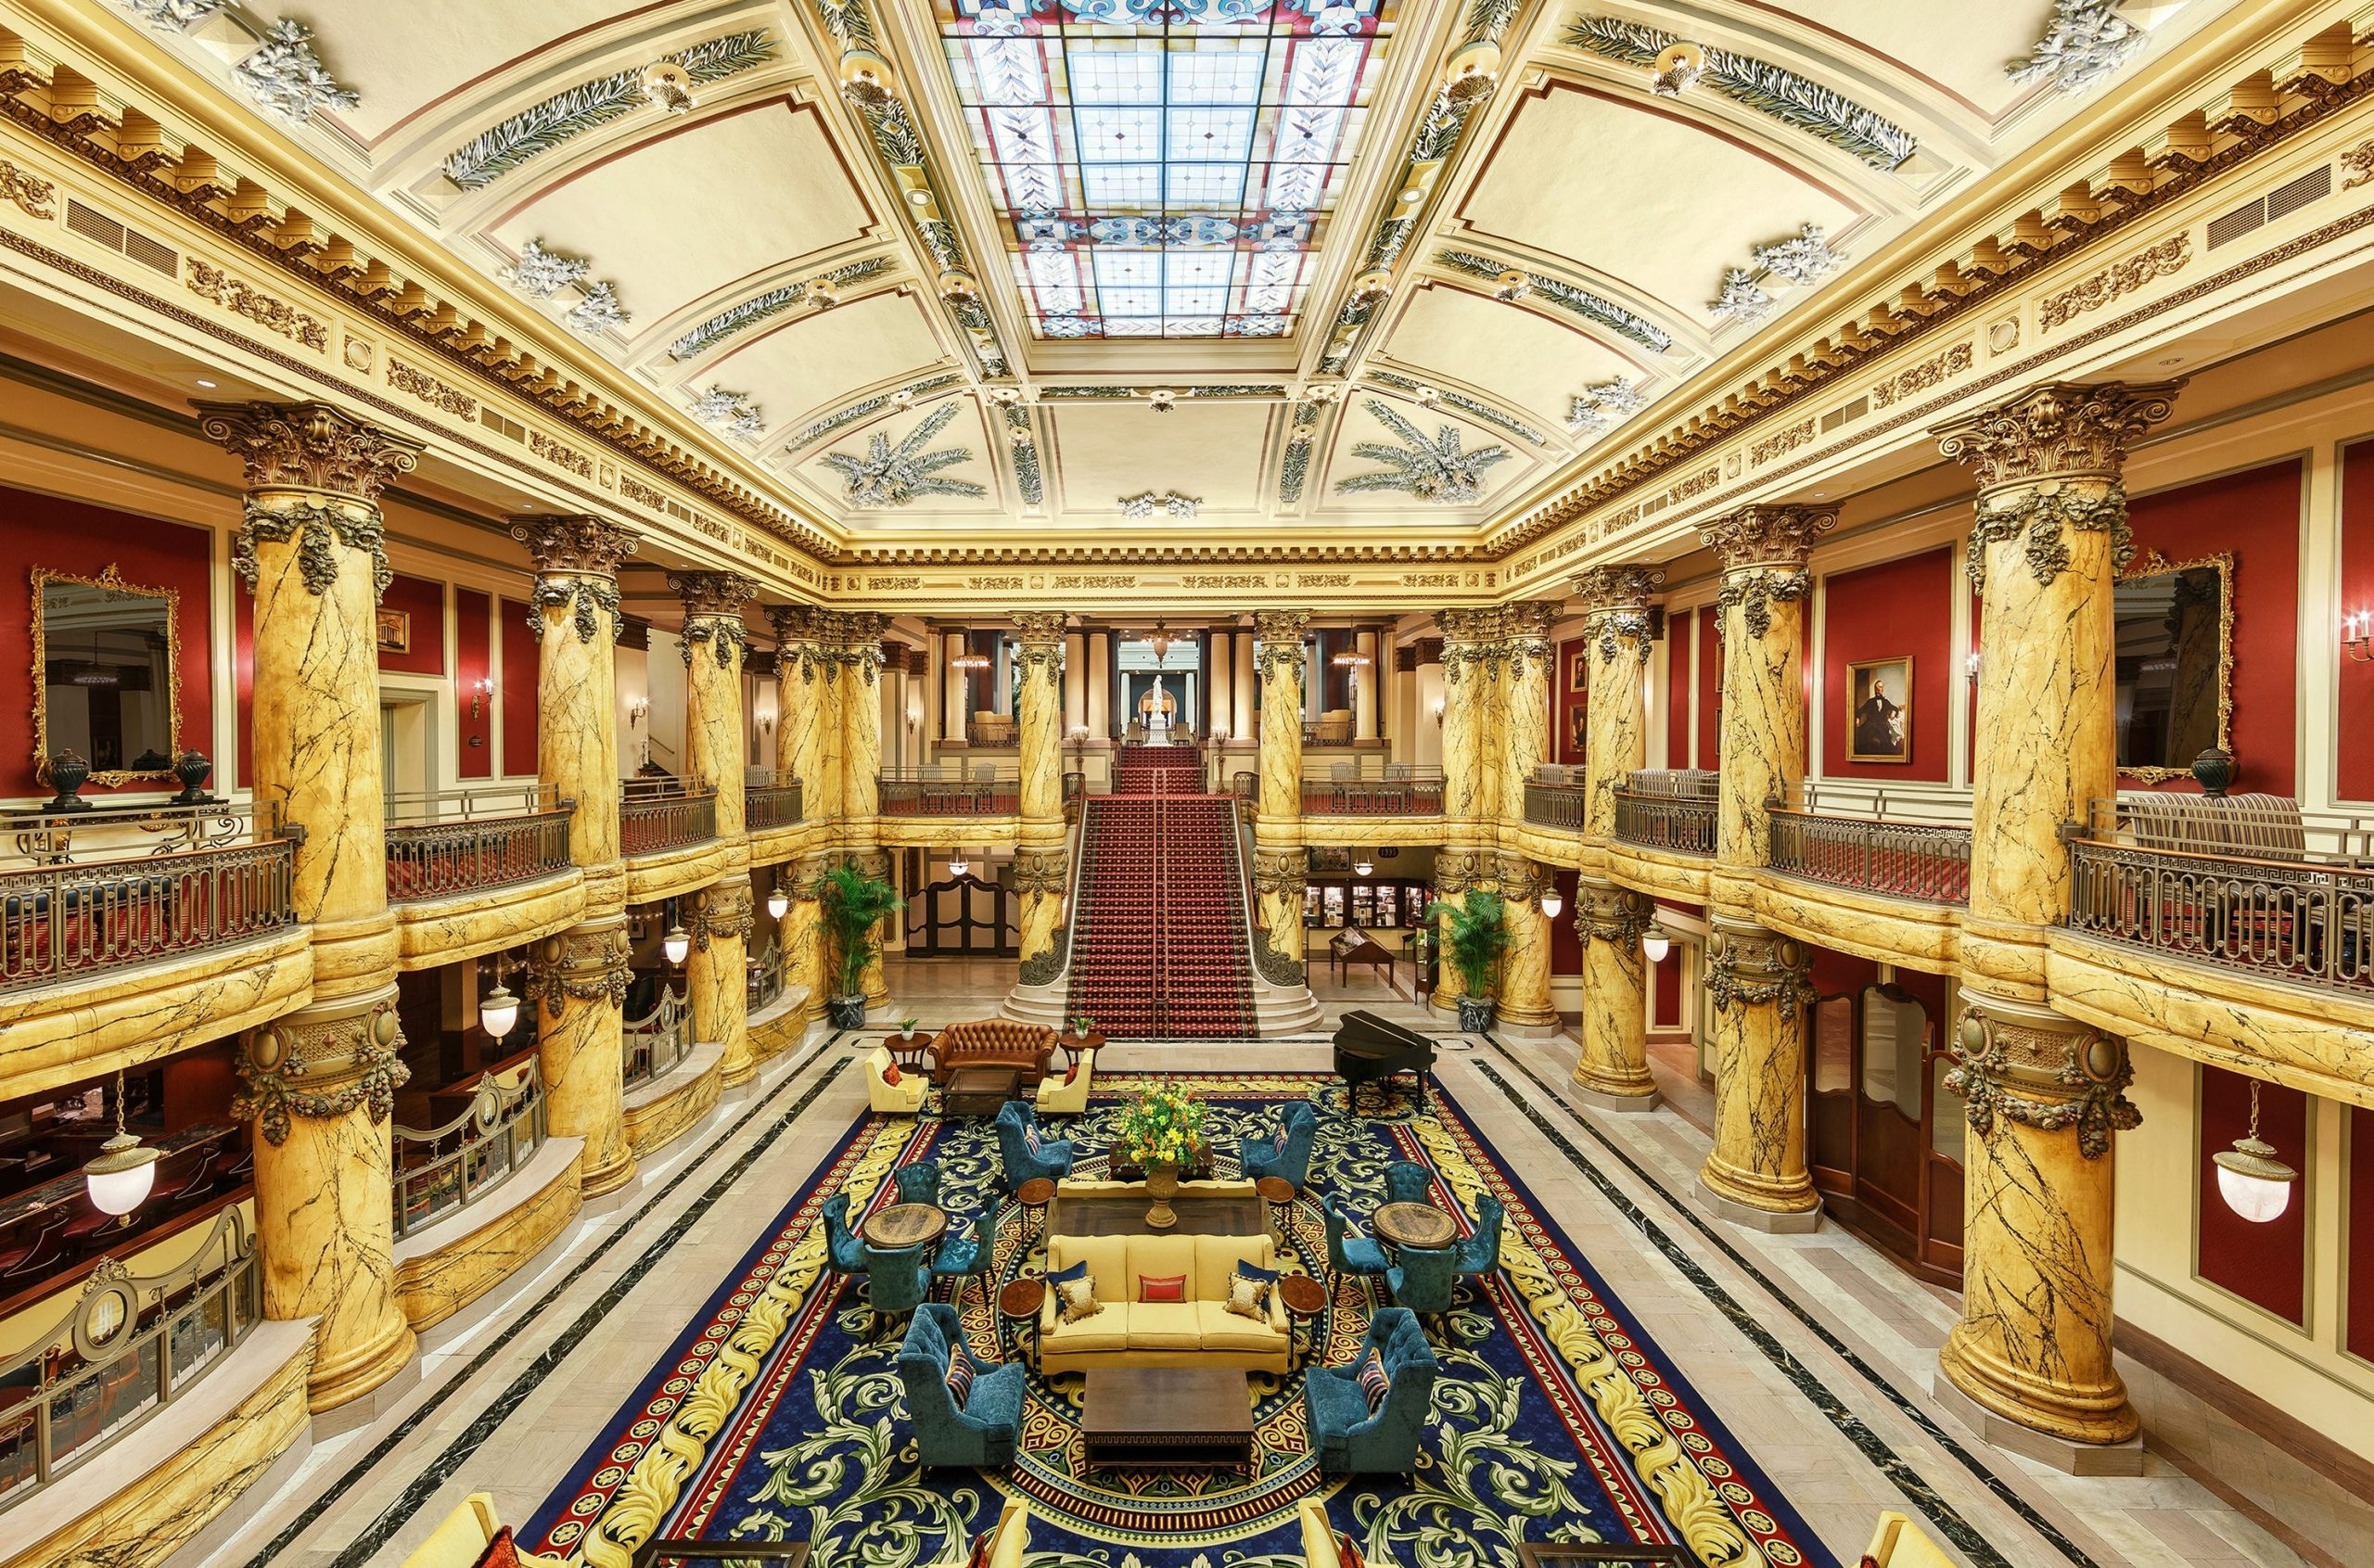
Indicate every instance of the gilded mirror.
{"type": "Point", "coordinates": [2174, 658]}
{"type": "Point", "coordinates": [105, 684]}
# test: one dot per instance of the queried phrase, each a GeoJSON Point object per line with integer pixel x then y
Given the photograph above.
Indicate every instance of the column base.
{"type": "Point", "coordinates": [1773, 1221]}
{"type": "Point", "coordinates": [619, 1173]}
{"type": "Point", "coordinates": [2072, 1458]}
{"type": "Point", "coordinates": [611, 1199]}
{"type": "Point", "coordinates": [1526, 1028]}
{"type": "Point", "coordinates": [1622, 1105]}
{"type": "Point", "coordinates": [362, 1392]}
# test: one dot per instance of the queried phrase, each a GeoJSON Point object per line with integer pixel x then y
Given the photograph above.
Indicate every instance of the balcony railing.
{"type": "Point", "coordinates": [1335, 729]}
{"type": "Point", "coordinates": [447, 1167]}
{"type": "Point", "coordinates": [1667, 809]}
{"type": "Point", "coordinates": [952, 790]}
{"type": "Point", "coordinates": [993, 729]}
{"type": "Point", "coordinates": [128, 1347]}
{"type": "Point", "coordinates": [765, 979]}
{"type": "Point", "coordinates": [109, 889]}
{"type": "Point", "coordinates": [2228, 882]}
{"type": "Point", "coordinates": [1555, 806]}
{"type": "Point", "coordinates": [1925, 862]}
{"type": "Point", "coordinates": [772, 805]}
{"type": "Point", "coordinates": [1401, 791]}
{"type": "Point", "coordinates": [655, 1043]}
{"type": "Point", "coordinates": [661, 814]}
{"type": "Point", "coordinates": [465, 840]}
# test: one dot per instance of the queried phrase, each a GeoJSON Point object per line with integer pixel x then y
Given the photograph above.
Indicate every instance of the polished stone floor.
{"type": "Point", "coordinates": [1816, 1350]}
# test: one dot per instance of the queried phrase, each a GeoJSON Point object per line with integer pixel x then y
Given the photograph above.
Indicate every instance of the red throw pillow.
{"type": "Point", "coordinates": [1170, 1287]}
{"type": "Point", "coordinates": [890, 1073]}
{"type": "Point", "coordinates": [1348, 1554]}
{"type": "Point", "coordinates": [500, 1552]}
{"type": "Point", "coordinates": [1070, 1074]}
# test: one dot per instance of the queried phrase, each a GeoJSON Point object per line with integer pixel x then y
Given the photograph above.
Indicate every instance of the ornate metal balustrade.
{"type": "Point", "coordinates": [2231, 883]}
{"type": "Point", "coordinates": [661, 814]}
{"type": "Point", "coordinates": [765, 979]}
{"type": "Point", "coordinates": [1400, 791]}
{"type": "Point", "coordinates": [952, 790]}
{"type": "Point", "coordinates": [1925, 862]}
{"type": "Point", "coordinates": [129, 1347]}
{"type": "Point", "coordinates": [1555, 806]}
{"type": "Point", "coordinates": [1667, 809]}
{"type": "Point", "coordinates": [992, 730]}
{"type": "Point", "coordinates": [73, 917]}
{"type": "Point", "coordinates": [655, 1043]}
{"type": "Point", "coordinates": [447, 1167]}
{"type": "Point", "coordinates": [772, 805]}
{"type": "Point", "coordinates": [465, 840]}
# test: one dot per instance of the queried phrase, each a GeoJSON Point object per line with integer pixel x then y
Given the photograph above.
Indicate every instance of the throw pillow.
{"type": "Point", "coordinates": [1070, 1073]}
{"type": "Point", "coordinates": [1277, 1145]}
{"type": "Point", "coordinates": [1348, 1555]}
{"type": "Point", "coordinates": [501, 1552]}
{"type": "Point", "coordinates": [1030, 1139]}
{"type": "Point", "coordinates": [1248, 1298]}
{"type": "Point", "coordinates": [1261, 1281]}
{"type": "Point", "coordinates": [960, 1374]}
{"type": "Point", "coordinates": [1167, 1287]}
{"type": "Point", "coordinates": [981, 1545]}
{"type": "Point", "coordinates": [1076, 1300]}
{"type": "Point", "coordinates": [890, 1073]}
{"type": "Point", "coordinates": [1374, 1380]}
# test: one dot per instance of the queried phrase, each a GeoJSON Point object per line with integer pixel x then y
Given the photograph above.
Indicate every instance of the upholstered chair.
{"type": "Point", "coordinates": [843, 1251]}
{"type": "Point", "coordinates": [1407, 1181]}
{"type": "Point", "coordinates": [980, 1433]}
{"type": "Point", "coordinates": [1424, 1279]}
{"type": "Point", "coordinates": [896, 1282]}
{"type": "Point", "coordinates": [1061, 1097]}
{"type": "Point", "coordinates": [1479, 1254]}
{"type": "Point", "coordinates": [1347, 1253]}
{"type": "Point", "coordinates": [1352, 1439]}
{"type": "Point", "coordinates": [1263, 1157]}
{"type": "Point", "coordinates": [917, 1183]}
{"type": "Point", "coordinates": [904, 1098]}
{"type": "Point", "coordinates": [969, 1253]}
{"type": "Point", "coordinates": [1053, 1159]}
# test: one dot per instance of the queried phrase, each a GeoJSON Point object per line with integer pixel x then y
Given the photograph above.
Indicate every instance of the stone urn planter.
{"type": "Point", "coordinates": [1162, 1185]}
{"type": "Point", "coordinates": [1474, 1014]}
{"type": "Point", "coordinates": [846, 1012]}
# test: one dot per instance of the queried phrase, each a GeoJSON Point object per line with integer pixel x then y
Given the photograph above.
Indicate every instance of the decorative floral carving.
{"type": "Point", "coordinates": [1476, 408]}
{"type": "Point", "coordinates": [774, 302]}
{"type": "Point", "coordinates": [2087, 41]}
{"type": "Point", "coordinates": [1602, 405]}
{"type": "Point", "coordinates": [1046, 968]}
{"type": "Point", "coordinates": [2359, 160]}
{"type": "Point", "coordinates": [1045, 871]}
{"type": "Point", "coordinates": [2042, 514]}
{"type": "Point", "coordinates": [722, 912]}
{"type": "Point", "coordinates": [1921, 376]}
{"type": "Point", "coordinates": [1608, 913]}
{"type": "Point", "coordinates": [589, 963]}
{"type": "Point", "coordinates": [30, 192]}
{"type": "Point", "coordinates": [1741, 298]}
{"type": "Point", "coordinates": [2048, 1079]}
{"type": "Point", "coordinates": [588, 599]}
{"type": "Point", "coordinates": [575, 546]}
{"type": "Point", "coordinates": [318, 528]}
{"type": "Point", "coordinates": [1277, 654]}
{"type": "Point", "coordinates": [2120, 277]}
{"type": "Point", "coordinates": [211, 282]}
{"type": "Point", "coordinates": [308, 446]}
{"type": "Point", "coordinates": [1767, 535]}
{"type": "Point", "coordinates": [2061, 430]}
{"type": "Point", "coordinates": [174, 15]}
{"type": "Point", "coordinates": [1803, 259]}
{"type": "Point", "coordinates": [1756, 968]}
{"type": "Point", "coordinates": [1171, 503]}
{"type": "Point", "coordinates": [1278, 968]}
{"type": "Point", "coordinates": [430, 391]}
{"type": "Point", "coordinates": [1756, 590]}
{"type": "Point", "coordinates": [598, 311]}
{"type": "Point", "coordinates": [285, 77]}
{"type": "Point", "coordinates": [540, 273]}
{"type": "Point", "coordinates": [1283, 874]}
{"type": "Point", "coordinates": [1435, 471]}
{"type": "Point", "coordinates": [1566, 297]}
{"type": "Point", "coordinates": [901, 475]}
{"type": "Point", "coordinates": [732, 413]}
{"type": "Point", "coordinates": [322, 1070]}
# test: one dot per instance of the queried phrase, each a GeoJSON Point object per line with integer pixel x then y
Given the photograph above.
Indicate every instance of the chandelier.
{"type": "Point", "coordinates": [1160, 641]}
{"type": "Point", "coordinates": [1350, 659]}
{"type": "Point", "coordinates": [969, 661]}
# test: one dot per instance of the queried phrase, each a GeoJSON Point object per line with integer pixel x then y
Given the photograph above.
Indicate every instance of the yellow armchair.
{"type": "Point", "coordinates": [904, 1098]}
{"type": "Point", "coordinates": [461, 1539]}
{"type": "Point", "coordinates": [1898, 1543]}
{"type": "Point", "coordinates": [1317, 1537]}
{"type": "Point", "coordinates": [1057, 1098]}
{"type": "Point", "coordinates": [1008, 1540]}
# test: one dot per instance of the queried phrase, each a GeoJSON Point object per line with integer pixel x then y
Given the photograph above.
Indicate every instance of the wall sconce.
{"type": "Point", "coordinates": [2253, 1181]}
{"type": "Point", "coordinates": [480, 691]}
{"type": "Point", "coordinates": [1969, 664]}
{"type": "Point", "coordinates": [914, 718]}
{"type": "Point", "coordinates": [1439, 710]}
{"type": "Point", "coordinates": [766, 724]}
{"type": "Point", "coordinates": [2357, 636]}
{"type": "Point", "coordinates": [638, 709]}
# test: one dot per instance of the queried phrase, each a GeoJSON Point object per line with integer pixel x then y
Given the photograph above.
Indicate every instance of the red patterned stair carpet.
{"type": "Point", "coordinates": [1159, 945]}
{"type": "Point", "coordinates": [1157, 770]}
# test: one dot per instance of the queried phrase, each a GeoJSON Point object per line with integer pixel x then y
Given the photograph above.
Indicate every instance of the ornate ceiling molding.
{"type": "Point", "coordinates": [1566, 297]}
{"type": "Point", "coordinates": [1428, 397]}
{"type": "Point", "coordinates": [818, 293]}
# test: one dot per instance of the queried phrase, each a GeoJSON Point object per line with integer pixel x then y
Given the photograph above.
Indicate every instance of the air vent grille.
{"type": "Point", "coordinates": [1654, 503]}
{"type": "Point", "coordinates": [100, 229]}
{"type": "Point", "coordinates": [2237, 224]}
{"type": "Point", "coordinates": [2292, 194]}
{"type": "Point", "coordinates": [511, 427]}
{"type": "Point", "coordinates": [1843, 412]}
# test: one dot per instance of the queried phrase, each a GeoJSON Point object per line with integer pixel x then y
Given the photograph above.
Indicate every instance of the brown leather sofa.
{"type": "Point", "coordinates": [993, 1042]}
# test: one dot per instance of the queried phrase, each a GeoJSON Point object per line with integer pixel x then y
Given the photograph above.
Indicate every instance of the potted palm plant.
{"type": "Point", "coordinates": [851, 904]}
{"type": "Point", "coordinates": [1475, 936]}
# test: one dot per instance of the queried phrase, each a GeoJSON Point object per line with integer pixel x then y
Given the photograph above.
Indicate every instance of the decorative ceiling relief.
{"type": "Point", "coordinates": [1746, 296]}
{"type": "Point", "coordinates": [1564, 296]}
{"type": "Point", "coordinates": [842, 418]}
{"type": "Point", "coordinates": [1025, 442]}
{"type": "Point", "coordinates": [492, 153]}
{"type": "Point", "coordinates": [901, 475]}
{"type": "Point", "coordinates": [2086, 44]}
{"type": "Point", "coordinates": [1436, 472]}
{"type": "Point", "coordinates": [732, 413]}
{"type": "Point", "coordinates": [1602, 405]}
{"type": "Point", "coordinates": [282, 73]}
{"type": "Point", "coordinates": [820, 293]}
{"type": "Point", "coordinates": [1753, 83]}
{"type": "Point", "coordinates": [1170, 503]}
{"type": "Point", "coordinates": [598, 312]}
{"type": "Point", "coordinates": [540, 273]}
{"type": "Point", "coordinates": [1474, 407]}
{"type": "Point", "coordinates": [1293, 470]}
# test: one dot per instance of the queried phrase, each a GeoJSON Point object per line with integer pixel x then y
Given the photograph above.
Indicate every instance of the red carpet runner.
{"type": "Point", "coordinates": [1159, 947]}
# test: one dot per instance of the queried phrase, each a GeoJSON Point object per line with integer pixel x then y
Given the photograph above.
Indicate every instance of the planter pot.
{"type": "Point", "coordinates": [1162, 1185]}
{"type": "Point", "coordinates": [67, 771]}
{"type": "Point", "coordinates": [1474, 1014]}
{"type": "Point", "coordinates": [846, 1012]}
{"type": "Point", "coordinates": [192, 770]}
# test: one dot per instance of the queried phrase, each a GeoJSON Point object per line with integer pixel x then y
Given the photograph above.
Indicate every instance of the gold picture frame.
{"type": "Point", "coordinates": [1881, 734]}
{"type": "Point", "coordinates": [1579, 671]}
{"type": "Point", "coordinates": [391, 630]}
{"type": "Point", "coordinates": [111, 582]}
{"type": "Point", "coordinates": [2151, 562]}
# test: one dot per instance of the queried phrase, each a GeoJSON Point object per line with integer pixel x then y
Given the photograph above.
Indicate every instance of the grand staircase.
{"type": "Point", "coordinates": [1158, 943]}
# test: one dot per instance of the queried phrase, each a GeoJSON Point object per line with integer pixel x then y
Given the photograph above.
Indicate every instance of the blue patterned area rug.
{"type": "Point", "coordinates": [1555, 1418]}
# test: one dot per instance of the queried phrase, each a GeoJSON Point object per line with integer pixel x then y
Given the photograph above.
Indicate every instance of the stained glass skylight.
{"type": "Point", "coordinates": [1165, 167]}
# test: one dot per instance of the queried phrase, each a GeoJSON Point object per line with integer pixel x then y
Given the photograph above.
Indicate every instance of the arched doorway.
{"type": "Point", "coordinates": [962, 917]}
{"type": "Point", "coordinates": [1885, 1133]}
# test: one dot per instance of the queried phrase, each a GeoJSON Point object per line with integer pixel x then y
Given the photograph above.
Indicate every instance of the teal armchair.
{"type": "Point", "coordinates": [896, 1282]}
{"type": "Point", "coordinates": [1480, 1254]}
{"type": "Point", "coordinates": [917, 1183]}
{"type": "Point", "coordinates": [1052, 1160]}
{"type": "Point", "coordinates": [982, 1432]}
{"type": "Point", "coordinates": [843, 1251]}
{"type": "Point", "coordinates": [1407, 1181]}
{"type": "Point", "coordinates": [1424, 1279]}
{"type": "Point", "coordinates": [1261, 1156]}
{"type": "Point", "coordinates": [969, 1253]}
{"type": "Point", "coordinates": [1352, 1440]}
{"type": "Point", "coordinates": [1347, 1253]}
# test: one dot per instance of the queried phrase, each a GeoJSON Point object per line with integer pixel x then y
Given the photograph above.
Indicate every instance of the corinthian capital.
{"type": "Point", "coordinates": [1480, 623]}
{"type": "Point", "coordinates": [2061, 430]}
{"type": "Point", "coordinates": [1528, 617]}
{"type": "Point", "coordinates": [1040, 626]}
{"type": "Point", "coordinates": [1775, 536]}
{"type": "Point", "coordinates": [308, 446]}
{"type": "Point", "coordinates": [578, 545]}
{"type": "Point", "coordinates": [713, 593]}
{"type": "Point", "coordinates": [1618, 588]}
{"type": "Point", "coordinates": [1280, 626]}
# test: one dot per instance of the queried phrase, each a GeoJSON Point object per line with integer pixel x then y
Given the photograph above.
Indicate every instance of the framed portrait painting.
{"type": "Point", "coordinates": [1578, 670]}
{"type": "Point", "coordinates": [394, 629]}
{"type": "Point", "coordinates": [1879, 710]}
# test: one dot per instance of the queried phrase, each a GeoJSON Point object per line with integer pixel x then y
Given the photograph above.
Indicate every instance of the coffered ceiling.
{"type": "Point", "coordinates": [1202, 266]}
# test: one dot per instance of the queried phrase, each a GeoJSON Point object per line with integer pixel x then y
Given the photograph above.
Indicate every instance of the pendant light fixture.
{"type": "Point", "coordinates": [1362, 866]}
{"type": "Point", "coordinates": [498, 1011]}
{"type": "Point", "coordinates": [2253, 1181]}
{"type": "Point", "coordinates": [676, 944]}
{"type": "Point", "coordinates": [778, 900]}
{"type": "Point", "coordinates": [1656, 944]}
{"type": "Point", "coordinates": [1551, 904]}
{"type": "Point", "coordinates": [121, 1174]}
{"type": "Point", "coordinates": [957, 864]}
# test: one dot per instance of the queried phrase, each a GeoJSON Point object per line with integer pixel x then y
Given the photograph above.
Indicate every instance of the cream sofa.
{"type": "Point", "coordinates": [904, 1098]}
{"type": "Point", "coordinates": [1200, 1332]}
{"type": "Point", "coordinates": [1057, 1098]}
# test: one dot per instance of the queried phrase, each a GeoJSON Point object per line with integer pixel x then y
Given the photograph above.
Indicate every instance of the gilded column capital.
{"type": "Point", "coordinates": [1038, 650]}
{"type": "Point", "coordinates": [1525, 634]}
{"type": "Point", "coordinates": [309, 446]}
{"type": "Point", "coordinates": [1767, 536]}
{"type": "Point", "coordinates": [1042, 870]}
{"type": "Point", "coordinates": [1040, 626]}
{"type": "Point", "coordinates": [859, 636]}
{"type": "Point", "coordinates": [2061, 430]}
{"type": "Point", "coordinates": [1748, 966]}
{"type": "Point", "coordinates": [577, 569]}
{"type": "Point", "coordinates": [2043, 1070]}
{"type": "Point", "coordinates": [713, 604]}
{"type": "Point", "coordinates": [1277, 648]}
{"type": "Point", "coordinates": [799, 637]}
{"type": "Point", "coordinates": [1460, 871]}
{"type": "Point", "coordinates": [1618, 588]}
{"type": "Point", "coordinates": [588, 963]}
{"type": "Point", "coordinates": [1521, 880]}
{"type": "Point", "coordinates": [1608, 913]}
{"type": "Point", "coordinates": [721, 911]}
{"type": "Point", "coordinates": [323, 1066]}
{"type": "Point", "coordinates": [1471, 641]}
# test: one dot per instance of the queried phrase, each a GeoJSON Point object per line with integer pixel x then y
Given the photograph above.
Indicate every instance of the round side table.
{"type": "Point", "coordinates": [1018, 1302]}
{"type": "Point", "coordinates": [1304, 1299]}
{"type": "Point", "coordinates": [1034, 1196]}
{"type": "Point", "coordinates": [905, 1225]}
{"type": "Point", "coordinates": [1278, 1193]}
{"type": "Point", "coordinates": [1421, 1226]}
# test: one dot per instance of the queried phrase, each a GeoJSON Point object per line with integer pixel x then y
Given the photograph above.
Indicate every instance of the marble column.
{"type": "Point", "coordinates": [1756, 981]}
{"type": "Point", "coordinates": [956, 701]}
{"type": "Point", "coordinates": [1524, 1004]}
{"type": "Point", "coordinates": [1075, 682]}
{"type": "Point", "coordinates": [1218, 672]}
{"type": "Point", "coordinates": [581, 976]}
{"type": "Point", "coordinates": [1281, 868]}
{"type": "Point", "coordinates": [1100, 685]}
{"type": "Point", "coordinates": [859, 661]}
{"type": "Point", "coordinates": [1472, 652]}
{"type": "Point", "coordinates": [1612, 1066]}
{"type": "Point", "coordinates": [2043, 1092]}
{"type": "Point", "coordinates": [1041, 859]}
{"type": "Point", "coordinates": [320, 1082]}
{"type": "Point", "coordinates": [1241, 688]}
{"type": "Point", "coordinates": [719, 919]}
{"type": "Point", "coordinates": [1365, 680]}
{"type": "Point", "coordinates": [1520, 740]}
{"type": "Point", "coordinates": [820, 801]}
{"type": "Point", "coordinates": [799, 741]}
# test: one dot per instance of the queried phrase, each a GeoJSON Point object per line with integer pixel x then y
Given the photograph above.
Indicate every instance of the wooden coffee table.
{"type": "Point", "coordinates": [980, 1091]}
{"type": "Point", "coordinates": [1420, 1226]}
{"type": "Point", "coordinates": [1189, 1417]}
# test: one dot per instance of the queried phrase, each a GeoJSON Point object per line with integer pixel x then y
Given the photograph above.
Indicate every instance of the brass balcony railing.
{"type": "Point", "coordinates": [992, 730]}
{"type": "Point", "coordinates": [1667, 809]}
{"type": "Point", "coordinates": [1555, 806]}
{"type": "Point", "coordinates": [655, 1042]}
{"type": "Point", "coordinates": [1928, 862]}
{"type": "Point", "coordinates": [465, 840]}
{"type": "Point", "coordinates": [130, 1345]}
{"type": "Point", "coordinates": [1400, 791]}
{"type": "Point", "coordinates": [952, 790]}
{"type": "Point", "coordinates": [661, 814]}
{"type": "Point", "coordinates": [764, 977]}
{"type": "Point", "coordinates": [772, 805]}
{"type": "Point", "coordinates": [444, 1168]}
{"type": "Point", "coordinates": [2218, 882]}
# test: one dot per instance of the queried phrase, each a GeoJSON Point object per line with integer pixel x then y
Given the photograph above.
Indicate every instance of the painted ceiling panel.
{"type": "Point", "coordinates": [818, 358]}
{"type": "Point", "coordinates": [1525, 358]}
{"type": "Point", "coordinates": [1967, 57]}
{"type": "Point", "coordinates": [400, 58]}
{"type": "Point", "coordinates": [1211, 451]}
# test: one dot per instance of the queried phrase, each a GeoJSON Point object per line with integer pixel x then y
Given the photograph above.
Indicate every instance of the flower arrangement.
{"type": "Point", "coordinates": [907, 1027]}
{"type": "Point", "coordinates": [1083, 1026]}
{"type": "Point", "coordinates": [1163, 1126]}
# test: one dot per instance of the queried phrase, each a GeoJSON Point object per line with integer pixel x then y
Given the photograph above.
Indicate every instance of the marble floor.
{"type": "Point", "coordinates": [1816, 1350]}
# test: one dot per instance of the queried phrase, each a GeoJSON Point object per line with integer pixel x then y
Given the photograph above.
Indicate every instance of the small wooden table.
{"type": "Point", "coordinates": [1278, 1193]}
{"type": "Point", "coordinates": [980, 1091]}
{"type": "Point", "coordinates": [1075, 1046]}
{"type": "Point", "coordinates": [1304, 1299]}
{"type": "Point", "coordinates": [1190, 1417]}
{"type": "Point", "coordinates": [1019, 1302]}
{"type": "Point", "coordinates": [1034, 1196]}
{"type": "Point", "coordinates": [904, 1225]}
{"type": "Point", "coordinates": [1421, 1226]}
{"type": "Point", "coordinates": [908, 1053]}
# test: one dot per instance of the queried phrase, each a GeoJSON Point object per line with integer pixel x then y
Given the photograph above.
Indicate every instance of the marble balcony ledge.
{"type": "Point", "coordinates": [445, 1266]}
{"type": "Point", "coordinates": [671, 874]}
{"type": "Point", "coordinates": [1660, 874]}
{"type": "Point", "coordinates": [94, 1025]}
{"type": "Point", "coordinates": [925, 832]}
{"type": "Point", "coordinates": [430, 932]}
{"type": "Point", "coordinates": [1353, 831]}
{"type": "Point", "coordinates": [1885, 930]}
{"type": "Point", "coordinates": [663, 1110]}
{"type": "Point", "coordinates": [149, 1493]}
{"type": "Point", "coordinates": [780, 1025]}
{"type": "Point", "coordinates": [773, 846]}
{"type": "Point", "coordinates": [1550, 845]}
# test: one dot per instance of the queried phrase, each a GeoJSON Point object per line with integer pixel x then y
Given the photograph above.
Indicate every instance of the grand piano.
{"type": "Point", "coordinates": [1372, 1050]}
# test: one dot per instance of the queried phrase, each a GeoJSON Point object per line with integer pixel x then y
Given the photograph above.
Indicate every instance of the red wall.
{"type": "Point", "coordinates": [67, 536]}
{"type": "Point", "coordinates": [1710, 689]}
{"type": "Point", "coordinates": [425, 602]}
{"type": "Point", "coordinates": [2256, 514]}
{"type": "Point", "coordinates": [1566, 705]}
{"type": "Point", "coordinates": [2265, 1264]}
{"type": "Point", "coordinates": [1894, 608]}
{"type": "Point", "coordinates": [243, 678]}
{"type": "Point", "coordinates": [473, 657]}
{"type": "Point", "coordinates": [2355, 757]}
{"type": "Point", "coordinates": [2359, 1242]}
{"type": "Point", "coordinates": [517, 693]}
{"type": "Point", "coordinates": [1678, 720]}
